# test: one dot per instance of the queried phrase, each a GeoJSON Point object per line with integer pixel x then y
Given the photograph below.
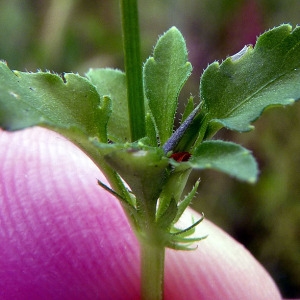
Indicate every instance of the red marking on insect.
{"type": "Point", "coordinates": [181, 156]}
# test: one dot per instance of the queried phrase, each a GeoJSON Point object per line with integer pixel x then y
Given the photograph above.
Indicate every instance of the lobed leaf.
{"type": "Point", "coordinates": [112, 83]}
{"type": "Point", "coordinates": [45, 99]}
{"type": "Point", "coordinates": [226, 157]}
{"type": "Point", "coordinates": [237, 91]}
{"type": "Point", "coordinates": [164, 75]}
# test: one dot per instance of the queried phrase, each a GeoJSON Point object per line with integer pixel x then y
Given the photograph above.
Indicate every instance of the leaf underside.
{"type": "Point", "coordinates": [227, 157]}
{"type": "Point", "coordinates": [237, 91]}
{"type": "Point", "coordinates": [46, 99]}
{"type": "Point", "coordinates": [112, 83]}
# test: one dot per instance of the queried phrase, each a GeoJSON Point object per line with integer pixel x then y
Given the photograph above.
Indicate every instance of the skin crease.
{"type": "Point", "coordinates": [63, 237]}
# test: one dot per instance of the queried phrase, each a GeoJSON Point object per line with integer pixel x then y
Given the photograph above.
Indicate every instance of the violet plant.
{"type": "Point", "coordinates": [124, 122]}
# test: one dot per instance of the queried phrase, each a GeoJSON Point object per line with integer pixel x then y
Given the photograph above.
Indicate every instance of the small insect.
{"type": "Point", "coordinates": [181, 156]}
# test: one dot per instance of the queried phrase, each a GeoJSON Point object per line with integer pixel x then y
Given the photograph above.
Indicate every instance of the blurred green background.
{"type": "Point", "coordinates": [73, 35]}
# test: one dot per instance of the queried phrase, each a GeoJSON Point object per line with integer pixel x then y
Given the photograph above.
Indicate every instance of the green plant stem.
{"type": "Point", "coordinates": [152, 265]}
{"type": "Point", "coordinates": [133, 68]}
{"type": "Point", "coordinates": [152, 254]}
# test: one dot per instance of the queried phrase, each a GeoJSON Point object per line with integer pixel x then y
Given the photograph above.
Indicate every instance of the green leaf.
{"type": "Point", "coordinates": [112, 83]}
{"type": "Point", "coordinates": [226, 157]}
{"type": "Point", "coordinates": [70, 106]}
{"type": "Point", "coordinates": [45, 99]}
{"type": "Point", "coordinates": [164, 75]}
{"type": "Point", "coordinates": [236, 92]}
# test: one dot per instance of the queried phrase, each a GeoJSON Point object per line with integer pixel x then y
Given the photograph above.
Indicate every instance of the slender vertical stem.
{"type": "Point", "coordinates": [152, 253]}
{"type": "Point", "coordinates": [133, 68]}
{"type": "Point", "coordinates": [152, 264]}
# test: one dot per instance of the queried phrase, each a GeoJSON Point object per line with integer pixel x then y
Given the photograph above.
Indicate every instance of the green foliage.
{"type": "Point", "coordinates": [226, 157]}
{"type": "Point", "coordinates": [236, 92]}
{"type": "Point", "coordinates": [29, 99]}
{"type": "Point", "coordinates": [112, 83]}
{"type": "Point", "coordinates": [164, 75]}
{"type": "Point", "coordinates": [93, 113]}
